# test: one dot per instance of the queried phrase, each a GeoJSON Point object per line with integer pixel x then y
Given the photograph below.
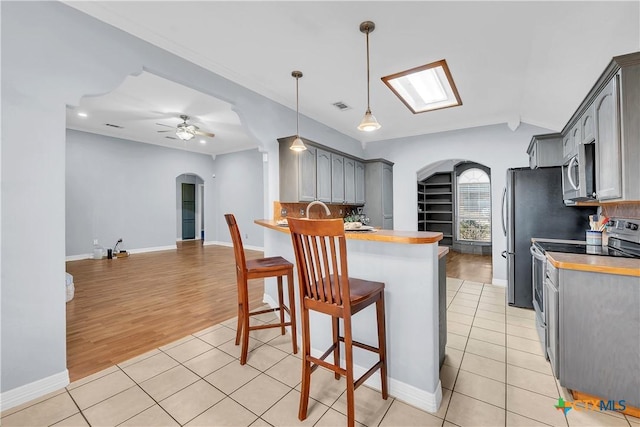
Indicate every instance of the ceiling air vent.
{"type": "Point", "coordinates": [114, 126]}
{"type": "Point", "coordinates": [341, 106]}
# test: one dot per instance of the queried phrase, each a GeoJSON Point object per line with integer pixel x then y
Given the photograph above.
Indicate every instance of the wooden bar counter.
{"type": "Point", "coordinates": [407, 262]}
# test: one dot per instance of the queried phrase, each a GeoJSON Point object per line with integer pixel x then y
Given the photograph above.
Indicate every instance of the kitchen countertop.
{"type": "Point", "coordinates": [595, 263]}
{"type": "Point", "coordinates": [388, 236]}
{"type": "Point", "coordinates": [442, 251]}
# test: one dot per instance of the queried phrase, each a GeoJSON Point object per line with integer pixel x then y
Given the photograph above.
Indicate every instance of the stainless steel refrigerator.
{"type": "Point", "coordinates": [533, 207]}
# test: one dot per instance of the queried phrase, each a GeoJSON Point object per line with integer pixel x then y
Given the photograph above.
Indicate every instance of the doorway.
{"type": "Point", "coordinates": [189, 207]}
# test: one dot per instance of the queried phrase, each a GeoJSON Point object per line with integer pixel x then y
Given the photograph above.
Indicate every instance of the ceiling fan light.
{"type": "Point", "coordinates": [369, 123]}
{"type": "Point", "coordinates": [298, 145]}
{"type": "Point", "coordinates": [185, 133]}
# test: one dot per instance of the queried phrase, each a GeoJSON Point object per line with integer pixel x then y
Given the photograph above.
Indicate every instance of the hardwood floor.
{"type": "Point", "coordinates": [125, 307]}
{"type": "Point", "coordinates": [128, 306]}
{"type": "Point", "coordinates": [469, 267]}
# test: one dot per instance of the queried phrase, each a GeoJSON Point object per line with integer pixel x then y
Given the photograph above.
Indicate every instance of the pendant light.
{"type": "Point", "coordinates": [369, 122]}
{"type": "Point", "coordinates": [297, 145]}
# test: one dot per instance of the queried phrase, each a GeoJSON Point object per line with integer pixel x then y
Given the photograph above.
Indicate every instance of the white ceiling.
{"type": "Point", "coordinates": [511, 61]}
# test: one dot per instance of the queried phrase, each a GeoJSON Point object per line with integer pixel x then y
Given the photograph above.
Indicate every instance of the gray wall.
{"type": "Point", "coordinates": [239, 184]}
{"type": "Point", "coordinates": [52, 55]}
{"type": "Point", "coordinates": [495, 146]}
{"type": "Point", "coordinates": [119, 188]}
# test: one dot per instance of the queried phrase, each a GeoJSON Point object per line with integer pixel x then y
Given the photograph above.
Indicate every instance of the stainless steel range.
{"type": "Point", "coordinates": [623, 241]}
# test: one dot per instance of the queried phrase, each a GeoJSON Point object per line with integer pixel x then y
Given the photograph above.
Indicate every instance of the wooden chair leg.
{"type": "Point", "coordinates": [382, 345]}
{"type": "Point", "coordinates": [348, 350]}
{"type": "Point", "coordinates": [306, 366]}
{"type": "Point", "coordinates": [239, 326]}
{"type": "Point", "coordinates": [281, 305]}
{"type": "Point", "coordinates": [292, 312]}
{"type": "Point", "coordinates": [335, 323]}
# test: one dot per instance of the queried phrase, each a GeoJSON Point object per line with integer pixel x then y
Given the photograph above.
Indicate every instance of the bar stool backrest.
{"type": "Point", "coordinates": [238, 249]}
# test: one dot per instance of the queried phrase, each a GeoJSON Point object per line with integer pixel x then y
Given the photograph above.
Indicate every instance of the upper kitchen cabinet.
{"type": "Point", "coordinates": [607, 137]}
{"type": "Point", "coordinates": [337, 179]}
{"type": "Point", "coordinates": [379, 193]}
{"type": "Point", "coordinates": [545, 151]}
{"type": "Point", "coordinates": [323, 175]}
{"type": "Point", "coordinates": [360, 184]}
{"type": "Point", "coordinates": [297, 172]}
{"type": "Point", "coordinates": [320, 173]}
{"type": "Point", "coordinates": [608, 120]}
{"type": "Point", "coordinates": [349, 180]}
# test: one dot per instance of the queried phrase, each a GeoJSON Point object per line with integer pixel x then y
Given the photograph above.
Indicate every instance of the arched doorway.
{"type": "Point", "coordinates": [189, 207]}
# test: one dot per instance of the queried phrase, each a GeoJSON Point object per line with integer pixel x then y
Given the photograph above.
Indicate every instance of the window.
{"type": "Point", "coordinates": [474, 206]}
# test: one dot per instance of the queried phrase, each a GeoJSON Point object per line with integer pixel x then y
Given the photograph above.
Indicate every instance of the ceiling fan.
{"type": "Point", "coordinates": [186, 131]}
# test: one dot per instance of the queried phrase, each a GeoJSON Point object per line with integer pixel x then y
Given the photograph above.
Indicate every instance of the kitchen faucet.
{"type": "Point", "coordinates": [318, 202]}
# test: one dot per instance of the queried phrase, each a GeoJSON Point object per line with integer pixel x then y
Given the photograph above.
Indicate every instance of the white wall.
{"type": "Point", "coordinates": [496, 147]}
{"type": "Point", "coordinates": [117, 188]}
{"type": "Point", "coordinates": [52, 55]}
{"type": "Point", "coordinates": [239, 185]}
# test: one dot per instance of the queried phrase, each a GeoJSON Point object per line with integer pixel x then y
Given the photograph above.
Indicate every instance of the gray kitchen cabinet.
{"type": "Point", "coordinates": [360, 183]}
{"type": "Point", "coordinates": [337, 178]}
{"type": "Point", "coordinates": [379, 193]}
{"type": "Point", "coordinates": [349, 180]}
{"type": "Point", "coordinates": [607, 132]}
{"type": "Point", "coordinates": [323, 175]}
{"type": "Point", "coordinates": [569, 148]}
{"type": "Point", "coordinates": [587, 126]}
{"type": "Point", "coordinates": [545, 151]}
{"type": "Point", "coordinates": [599, 338]}
{"type": "Point", "coordinates": [608, 118]}
{"type": "Point", "coordinates": [297, 172]}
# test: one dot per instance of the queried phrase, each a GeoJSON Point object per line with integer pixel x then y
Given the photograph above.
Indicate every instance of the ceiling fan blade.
{"type": "Point", "coordinates": [162, 124]}
{"type": "Point", "coordinates": [210, 135]}
{"type": "Point", "coordinates": [161, 131]}
{"type": "Point", "coordinates": [170, 137]}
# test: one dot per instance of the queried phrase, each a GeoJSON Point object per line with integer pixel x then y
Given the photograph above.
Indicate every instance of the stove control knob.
{"type": "Point", "coordinates": [632, 226]}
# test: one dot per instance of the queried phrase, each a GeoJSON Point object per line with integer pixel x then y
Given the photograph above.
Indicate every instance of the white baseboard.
{"type": "Point", "coordinates": [230, 245]}
{"type": "Point", "coordinates": [152, 249]}
{"type": "Point", "coordinates": [34, 390]}
{"type": "Point", "coordinates": [131, 251]}
{"type": "Point", "coordinates": [499, 282]}
{"type": "Point", "coordinates": [79, 257]}
{"type": "Point", "coordinates": [407, 393]}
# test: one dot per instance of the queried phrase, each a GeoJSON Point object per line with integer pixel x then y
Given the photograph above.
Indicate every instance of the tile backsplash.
{"type": "Point", "coordinates": [299, 210]}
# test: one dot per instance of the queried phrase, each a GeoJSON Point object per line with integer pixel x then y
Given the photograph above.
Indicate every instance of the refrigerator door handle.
{"type": "Point", "coordinates": [502, 215]}
{"type": "Point", "coordinates": [504, 254]}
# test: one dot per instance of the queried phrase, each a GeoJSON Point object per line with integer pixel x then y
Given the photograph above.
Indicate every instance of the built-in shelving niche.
{"type": "Point", "coordinates": [436, 205]}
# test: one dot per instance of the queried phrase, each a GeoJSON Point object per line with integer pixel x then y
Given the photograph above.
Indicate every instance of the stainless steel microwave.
{"type": "Point", "coordinates": [579, 175]}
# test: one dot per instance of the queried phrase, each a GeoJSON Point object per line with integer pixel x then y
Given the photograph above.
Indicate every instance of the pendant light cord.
{"type": "Point", "coordinates": [368, 81]}
{"type": "Point", "coordinates": [297, 110]}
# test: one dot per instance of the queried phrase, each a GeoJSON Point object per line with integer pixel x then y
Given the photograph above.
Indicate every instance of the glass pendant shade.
{"type": "Point", "coordinates": [298, 145]}
{"type": "Point", "coordinates": [369, 123]}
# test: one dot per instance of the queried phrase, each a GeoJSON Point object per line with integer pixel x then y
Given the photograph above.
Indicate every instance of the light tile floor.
{"type": "Point", "coordinates": [494, 374]}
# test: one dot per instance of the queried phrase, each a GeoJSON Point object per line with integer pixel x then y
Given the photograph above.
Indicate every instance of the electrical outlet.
{"type": "Point", "coordinates": [340, 212]}
{"type": "Point", "coordinates": [283, 212]}
{"type": "Point", "coordinates": [301, 212]}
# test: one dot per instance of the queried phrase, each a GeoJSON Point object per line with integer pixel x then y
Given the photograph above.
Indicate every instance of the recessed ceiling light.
{"type": "Point", "coordinates": [202, 141]}
{"type": "Point", "coordinates": [425, 88]}
{"type": "Point", "coordinates": [81, 114]}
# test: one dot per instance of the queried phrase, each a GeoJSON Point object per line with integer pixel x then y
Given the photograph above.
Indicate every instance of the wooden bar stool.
{"type": "Point", "coordinates": [325, 286]}
{"type": "Point", "coordinates": [258, 269]}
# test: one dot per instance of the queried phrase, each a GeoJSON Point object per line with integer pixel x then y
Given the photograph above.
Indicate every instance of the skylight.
{"type": "Point", "coordinates": [425, 88]}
